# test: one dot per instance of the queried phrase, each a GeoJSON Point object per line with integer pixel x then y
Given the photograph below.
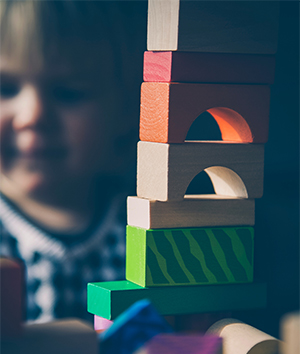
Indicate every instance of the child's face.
{"type": "Point", "coordinates": [55, 125]}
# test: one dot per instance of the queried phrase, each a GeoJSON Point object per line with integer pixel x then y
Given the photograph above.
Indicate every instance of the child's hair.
{"type": "Point", "coordinates": [36, 32]}
{"type": "Point", "coordinates": [103, 37]}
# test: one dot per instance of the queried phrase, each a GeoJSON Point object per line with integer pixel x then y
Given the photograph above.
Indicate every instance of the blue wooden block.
{"type": "Point", "coordinates": [132, 329]}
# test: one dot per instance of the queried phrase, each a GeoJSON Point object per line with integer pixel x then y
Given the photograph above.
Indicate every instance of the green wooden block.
{"type": "Point", "coordinates": [198, 256]}
{"type": "Point", "coordinates": [110, 299]}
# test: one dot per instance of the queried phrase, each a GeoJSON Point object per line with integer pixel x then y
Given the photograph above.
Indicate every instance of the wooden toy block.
{"type": "Point", "coordinates": [11, 300]}
{"type": "Point", "coordinates": [290, 330]}
{"type": "Point", "coordinates": [208, 67]}
{"type": "Point", "coordinates": [164, 171]}
{"type": "Point", "coordinates": [240, 338]}
{"type": "Point", "coordinates": [132, 329]}
{"type": "Point", "coordinates": [173, 257]}
{"type": "Point", "coordinates": [59, 337]}
{"type": "Point", "coordinates": [169, 109]}
{"type": "Point", "coordinates": [101, 324]}
{"type": "Point", "coordinates": [192, 211]}
{"type": "Point", "coordinates": [178, 344]}
{"type": "Point", "coordinates": [109, 299]}
{"type": "Point", "coordinates": [213, 26]}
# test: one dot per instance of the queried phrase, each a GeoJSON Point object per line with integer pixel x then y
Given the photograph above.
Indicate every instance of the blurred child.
{"type": "Point", "coordinates": [66, 131]}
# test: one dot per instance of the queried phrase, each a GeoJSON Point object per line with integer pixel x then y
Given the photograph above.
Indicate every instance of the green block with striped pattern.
{"type": "Point", "coordinates": [198, 256]}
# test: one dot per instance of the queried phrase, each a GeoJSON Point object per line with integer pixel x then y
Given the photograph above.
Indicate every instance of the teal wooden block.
{"type": "Point", "coordinates": [109, 299]}
{"type": "Point", "coordinates": [172, 257]}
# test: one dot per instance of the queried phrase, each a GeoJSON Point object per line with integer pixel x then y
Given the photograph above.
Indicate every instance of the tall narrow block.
{"type": "Point", "coordinates": [172, 257]}
{"type": "Point", "coordinates": [169, 109]}
{"type": "Point", "coordinates": [165, 171]}
{"type": "Point", "coordinates": [11, 297]}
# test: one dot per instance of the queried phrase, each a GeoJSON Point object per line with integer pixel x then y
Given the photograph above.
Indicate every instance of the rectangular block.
{"type": "Point", "coordinates": [213, 26]}
{"type": "Point", "coordinates": [173, 257]}
{"type": "Point", "coordinates": [164, 171]}
{"type": "Point", "coordinates": [59, 337]}
{"type": "Point", "coordinates": [109, 299]}
{"type": "Point", "coordinates": [169, 109]}
{"type": "Point", "coordinates": [192, 211]}
{"type": "Point", "coordinates": [208, 67]}
{"type": "Point", "coordinates": [179, 344]}
{"type": "Point", "coordinates": [12, 295]}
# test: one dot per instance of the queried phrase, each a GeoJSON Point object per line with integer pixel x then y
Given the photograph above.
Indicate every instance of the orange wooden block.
{"type": "Point", "coordinates": [169, 109]}
{"type": "Point", "coordinates": [11, 283]}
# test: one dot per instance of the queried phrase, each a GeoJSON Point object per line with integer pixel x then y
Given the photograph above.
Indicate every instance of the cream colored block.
{"type": "Point", "coordinates": [290, 333]}
{"type": "Point", "coordinates": [240, 338]}
{"type": "Point", "coordinates": [164, 171]}
{"type": "Point", "coordinates": [193, 211]}
{"type": "Point", "coordinates": [213, 26]}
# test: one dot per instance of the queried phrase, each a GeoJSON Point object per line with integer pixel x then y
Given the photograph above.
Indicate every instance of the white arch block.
{"type": "Point", "coordinates": [164, 171]}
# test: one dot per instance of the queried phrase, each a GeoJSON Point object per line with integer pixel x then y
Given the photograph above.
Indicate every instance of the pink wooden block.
{"type": "Point", "coordinates": [175, 344]}
{"type": "Point", "coordinates": [101, 323]}
{"type": "Point", "coordinates": [208, 67]}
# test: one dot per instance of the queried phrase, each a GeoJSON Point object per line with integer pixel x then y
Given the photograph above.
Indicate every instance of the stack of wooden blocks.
{"type": "Point", "coordinates": [193, 254]}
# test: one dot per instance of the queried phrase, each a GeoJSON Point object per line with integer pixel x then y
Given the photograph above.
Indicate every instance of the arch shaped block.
{"type": "Point", "coordinates": [164, 171]}
{"type": "Point", "coordinates": [169, 109]}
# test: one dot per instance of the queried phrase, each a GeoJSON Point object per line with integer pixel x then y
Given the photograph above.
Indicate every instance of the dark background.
{"type": "Point", "coordinates": [277, 213]}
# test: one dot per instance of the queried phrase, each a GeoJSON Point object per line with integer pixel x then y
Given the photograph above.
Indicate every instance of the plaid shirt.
{"type": "Point", "coordinates": [57, 273]}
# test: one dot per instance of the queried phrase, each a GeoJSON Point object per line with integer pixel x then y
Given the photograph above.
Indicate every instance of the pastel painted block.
{"type": "Point", "coordinates": [210, 26]}
{"type": "Point", "coordinates": [110, 299]}
{"type": "Point", "coordinates": [192, 211]}
{"type": "Point", "coordinates": [240, 338]}
{"type": "Point", "coordinates": [208, 67]}
{"type": "Point", "coordinates": [169, 109]}
{"type": "Point", "coordinates": [11, 299]}
{"type": "Point", "coordinates": [172, 257]}
{"type": "Point", "coordinates": [132, 329]}
{"type": "Point", "coordinates": [164, 171]}
{"type": "Point", "coordinates": [178, 344]}
{"type": "Point", "coordinates": [101, 324]}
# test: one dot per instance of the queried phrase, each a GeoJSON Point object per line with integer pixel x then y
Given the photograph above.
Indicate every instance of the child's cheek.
{"type": "Point", "coordinates": [88, 135]}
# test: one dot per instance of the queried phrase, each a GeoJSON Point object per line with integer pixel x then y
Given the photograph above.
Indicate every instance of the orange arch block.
{"type": "Point", "coordinates": [169, 109]}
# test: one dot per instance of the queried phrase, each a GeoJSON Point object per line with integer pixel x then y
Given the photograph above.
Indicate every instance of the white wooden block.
{"type": "Point", "coordinates": [164, 171]}
{"type": "Point", "coordinates": [213, 26]}
{"type": "Point", "coordinates": [193, 211]}
{"type": "Point", "coordinates": [240, 338]}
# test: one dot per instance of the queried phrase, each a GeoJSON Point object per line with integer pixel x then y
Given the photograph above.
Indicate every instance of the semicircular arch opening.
{"type": "Point", "coordinates": [226, 183]}
{"type": "Point", "coordinates": [232, 126]}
